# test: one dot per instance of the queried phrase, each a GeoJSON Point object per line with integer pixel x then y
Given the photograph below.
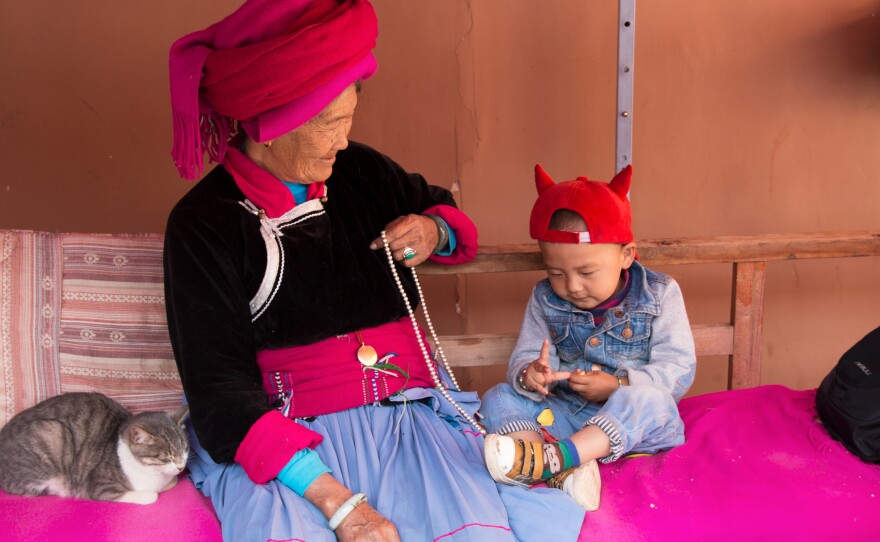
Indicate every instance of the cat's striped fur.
{"type": "Point", "coordinates": [86, 445]}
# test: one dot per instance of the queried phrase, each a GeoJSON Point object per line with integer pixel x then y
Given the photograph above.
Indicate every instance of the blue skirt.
{"type": "Point", "coordinates": [419, 463]}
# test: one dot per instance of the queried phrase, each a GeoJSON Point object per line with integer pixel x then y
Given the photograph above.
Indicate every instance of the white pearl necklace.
{"type": "Point", "coordinates": [438, 384]}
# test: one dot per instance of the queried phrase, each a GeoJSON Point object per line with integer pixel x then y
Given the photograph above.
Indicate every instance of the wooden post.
{"type": "Point", "coordinates": [747, 317]}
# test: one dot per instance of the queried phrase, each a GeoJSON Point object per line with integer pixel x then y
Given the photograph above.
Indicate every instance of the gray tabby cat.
{"type": "Point", "coordinates": [88, 446]}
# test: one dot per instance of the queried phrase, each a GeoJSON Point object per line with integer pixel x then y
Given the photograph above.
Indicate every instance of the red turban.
{"type": "Point", "coordinates": [271, 65]}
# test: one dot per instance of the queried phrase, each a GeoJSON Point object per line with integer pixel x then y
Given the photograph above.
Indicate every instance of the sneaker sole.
{"type": "Point", "coordinates": [586, 486]}
{"type": "Point", "coordinates": [490, 445]}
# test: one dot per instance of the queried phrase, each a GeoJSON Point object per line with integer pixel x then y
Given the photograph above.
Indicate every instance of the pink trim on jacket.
{"type": "Point", "coordinates": [261, 187]}
{"type": "Point", "coordinates": [269, 445]}
{"type": "Point", "coordinates": [465, 234]}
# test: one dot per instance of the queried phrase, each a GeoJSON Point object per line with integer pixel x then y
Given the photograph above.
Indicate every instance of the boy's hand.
{"type": "Point", "coordinates": [594, 386]}
{"type": "Point", "coordinates": [539, 375]}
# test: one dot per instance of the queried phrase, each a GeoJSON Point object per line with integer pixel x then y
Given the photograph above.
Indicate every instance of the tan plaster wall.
{"type": "Point", "coordinates": [749, 117]}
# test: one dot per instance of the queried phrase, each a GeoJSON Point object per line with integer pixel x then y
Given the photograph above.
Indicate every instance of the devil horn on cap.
{"type": "Point", "coordinates": [542, 180]}
{"type": "Point", "coordinates": [620, 183]}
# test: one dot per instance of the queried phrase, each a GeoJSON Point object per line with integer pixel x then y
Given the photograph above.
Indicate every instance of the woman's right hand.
{"type": "Point", "coordinates": [365, 524]}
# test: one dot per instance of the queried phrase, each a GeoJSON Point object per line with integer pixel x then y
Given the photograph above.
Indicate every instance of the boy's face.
{"type": "Point", "coordinates": [586, 275]}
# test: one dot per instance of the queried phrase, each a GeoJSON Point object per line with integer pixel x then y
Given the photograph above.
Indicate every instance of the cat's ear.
{"type": "Point", "coordinates": [139, 435]}
{"type": "Point", "coordinates": [179, 414]}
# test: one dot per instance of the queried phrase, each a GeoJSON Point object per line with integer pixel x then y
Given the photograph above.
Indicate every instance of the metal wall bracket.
{"type": "Point", "coordinates": [626, 37]}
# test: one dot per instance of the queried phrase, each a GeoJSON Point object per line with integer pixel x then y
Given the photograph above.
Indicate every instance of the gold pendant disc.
{"type": "Point", "coordinates": [367, 355]}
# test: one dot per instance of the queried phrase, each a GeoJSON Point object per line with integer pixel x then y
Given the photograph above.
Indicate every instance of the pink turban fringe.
{"type": "Point", "coordinates": [271, 65]}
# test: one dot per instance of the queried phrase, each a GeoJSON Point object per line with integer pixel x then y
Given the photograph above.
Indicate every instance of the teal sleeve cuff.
{"type": "Point", "coordinates": [450, 245]}
{"type": "Point", "coordinates": [301, 471]}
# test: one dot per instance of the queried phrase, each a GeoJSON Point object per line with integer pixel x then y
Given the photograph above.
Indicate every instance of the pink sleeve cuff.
{"type": "Point", "coordinates": [269, 445]}
{"type": "Point", "coordinates": [465, 235]}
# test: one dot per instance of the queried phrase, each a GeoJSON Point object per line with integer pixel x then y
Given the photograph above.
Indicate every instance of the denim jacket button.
{"type": "Point", "coordinates": [552, 334]}
{"type": "Point", "coordinates": [618, 313]}
{"type": "Point", "coordinates": [594, 341]}
{"type": "Point", "coordinates": [627, 333]}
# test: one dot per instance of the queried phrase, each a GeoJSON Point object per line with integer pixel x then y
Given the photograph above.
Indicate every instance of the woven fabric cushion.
{"type": "Point", "coordinates": [113, 334]}
{"type": "Point", "coordinates": [30, 302]}
{"type": "Point", "coordinates": [83, 312]}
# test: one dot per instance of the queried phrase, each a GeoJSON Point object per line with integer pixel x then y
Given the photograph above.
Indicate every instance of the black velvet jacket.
{"type": "Point", "coordinates": [331, 283]}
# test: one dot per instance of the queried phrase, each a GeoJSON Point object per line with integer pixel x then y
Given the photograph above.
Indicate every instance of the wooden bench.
{"type": "Point", "coordinates": [739, 338]}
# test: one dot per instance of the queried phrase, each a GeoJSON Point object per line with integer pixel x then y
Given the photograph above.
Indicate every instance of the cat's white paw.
{"type": "Point", "coordinates": [139, 497]}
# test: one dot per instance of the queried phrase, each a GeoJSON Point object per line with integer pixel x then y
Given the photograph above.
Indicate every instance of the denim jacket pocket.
{"type": "Point", "coordinates": [566, 345]}
{"type": "Point", "coordinates": [630, 339]}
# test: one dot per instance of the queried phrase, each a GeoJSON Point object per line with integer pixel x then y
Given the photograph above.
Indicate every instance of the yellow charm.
{"type": "Point", "coordinates": [546, 418]}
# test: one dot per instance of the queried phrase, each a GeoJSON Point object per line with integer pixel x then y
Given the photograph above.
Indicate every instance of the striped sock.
{"type": "Point", "coordinates": [559, 456]}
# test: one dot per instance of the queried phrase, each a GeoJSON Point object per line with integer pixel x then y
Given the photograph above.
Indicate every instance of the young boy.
{"type": "Point", "coordinates": [604, 353]}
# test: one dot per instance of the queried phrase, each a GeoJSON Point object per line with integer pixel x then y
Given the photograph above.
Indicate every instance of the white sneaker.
{"type": "Point", "coordinates": [581, 483]}
{"type": "Point", "coordinates": [513, 461]}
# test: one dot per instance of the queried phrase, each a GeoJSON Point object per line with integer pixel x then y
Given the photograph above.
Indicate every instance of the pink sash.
{"type": "Point", "coordinates": [327, 377]}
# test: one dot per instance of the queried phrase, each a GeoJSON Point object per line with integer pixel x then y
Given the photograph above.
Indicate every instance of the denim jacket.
{"type": "Point", "coordinates": [647, 337]}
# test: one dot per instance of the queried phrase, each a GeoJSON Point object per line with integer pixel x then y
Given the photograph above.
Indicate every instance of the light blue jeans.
{"type": "Point", "coordinates": [638, 419]}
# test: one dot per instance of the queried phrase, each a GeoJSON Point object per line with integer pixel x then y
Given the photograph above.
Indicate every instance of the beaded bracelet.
{"type": "Point", "coordinates": [346, 509]}
{"type": "Point", "coordinates": [521, 379]}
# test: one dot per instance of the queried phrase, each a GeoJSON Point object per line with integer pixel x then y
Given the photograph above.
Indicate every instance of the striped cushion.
{"type": "Point", "coordinates": [83, 312]}
{"type": "Point", "coordinates": [114, 336]}
{"type": "Point", "coordinates": [30, 302]}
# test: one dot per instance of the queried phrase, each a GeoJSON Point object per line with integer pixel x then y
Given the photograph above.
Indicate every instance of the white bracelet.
{"type": "Point", "coordinates": [346, 509]}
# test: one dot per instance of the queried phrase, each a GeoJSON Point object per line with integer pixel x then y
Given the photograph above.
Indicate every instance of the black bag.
{"type": "Point", "coordinates": [848, 400]}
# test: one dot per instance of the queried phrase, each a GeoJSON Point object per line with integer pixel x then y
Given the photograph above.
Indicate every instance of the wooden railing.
{"type": "Point", "coordinates": [739, 339]}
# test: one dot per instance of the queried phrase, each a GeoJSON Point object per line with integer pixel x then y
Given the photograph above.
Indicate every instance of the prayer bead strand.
{"type": "Point", "coordinates": [438, 384]}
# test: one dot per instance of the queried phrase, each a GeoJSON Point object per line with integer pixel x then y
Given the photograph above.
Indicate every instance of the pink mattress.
{"type": "Point", "coordinates": [757, 465]}
{"type": "Point", "coordinates": [181, 513]}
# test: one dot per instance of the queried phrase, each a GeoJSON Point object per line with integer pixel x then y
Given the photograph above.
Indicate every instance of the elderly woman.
{"type": "Point", "coordinates": [318, 411]}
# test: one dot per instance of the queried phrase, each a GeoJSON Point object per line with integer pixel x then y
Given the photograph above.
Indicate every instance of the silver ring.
{"type": "Point", "coordinates": [409, 253]}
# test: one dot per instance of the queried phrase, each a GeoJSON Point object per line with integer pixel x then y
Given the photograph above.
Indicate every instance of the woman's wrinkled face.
{"type": "Point", "coordinates": [307, 154]}
{"type": "Point", "coordinates": [586, 275]}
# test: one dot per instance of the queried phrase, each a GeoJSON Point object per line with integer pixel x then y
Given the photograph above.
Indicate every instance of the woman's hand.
{"type": "Point", "coordinates": [416, 232]}
{"type": "Point", "coordinates": [362, 523]}
{"type": "Point", "coordinates": [366, 524]}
